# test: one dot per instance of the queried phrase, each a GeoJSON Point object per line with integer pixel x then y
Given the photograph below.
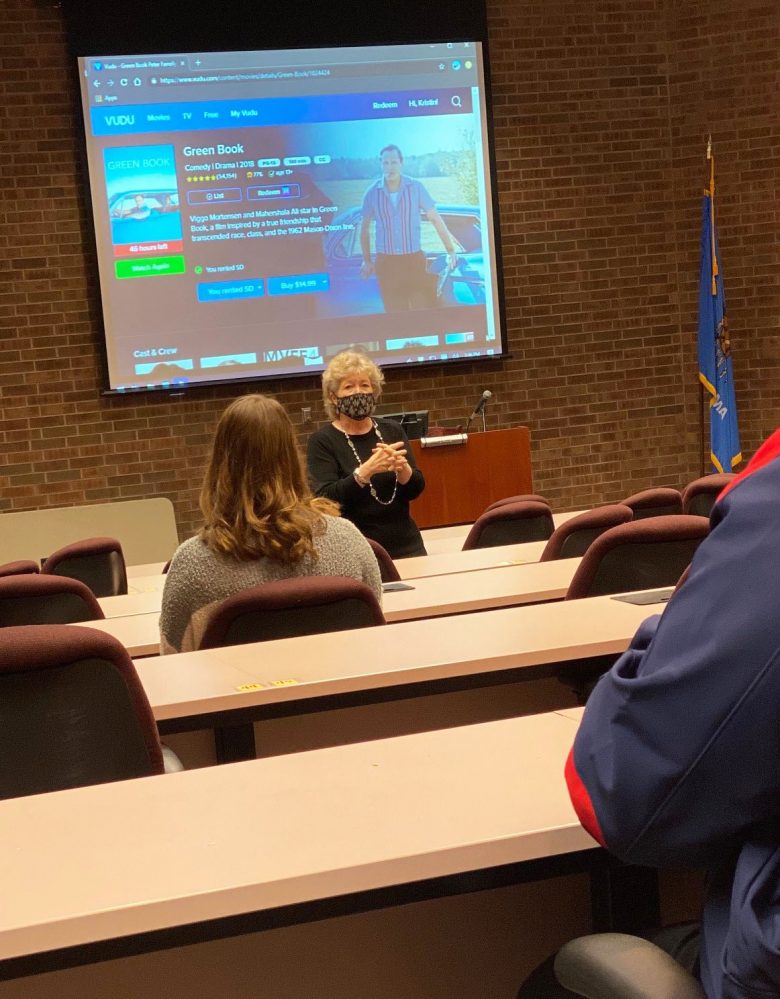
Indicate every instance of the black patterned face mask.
{"type": "Point", "coordinates": [357, 406]}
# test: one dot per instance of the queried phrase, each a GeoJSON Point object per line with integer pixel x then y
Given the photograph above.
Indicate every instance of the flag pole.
{"type": "Point", "coordinates": [703, 455]}
{"type": "Point", "coordinates": [704, 449]}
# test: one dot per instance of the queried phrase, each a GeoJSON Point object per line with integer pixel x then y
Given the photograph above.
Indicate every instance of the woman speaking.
{"type": "Point", "coordinates": [364, 463]}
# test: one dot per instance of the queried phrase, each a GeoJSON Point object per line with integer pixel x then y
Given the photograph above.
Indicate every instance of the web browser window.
{"type": "Point", "coordinates": [256, 212]}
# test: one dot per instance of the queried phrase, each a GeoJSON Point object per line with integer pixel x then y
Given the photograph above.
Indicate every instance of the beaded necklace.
{"type": "Point", "coordinates": [371, 488]}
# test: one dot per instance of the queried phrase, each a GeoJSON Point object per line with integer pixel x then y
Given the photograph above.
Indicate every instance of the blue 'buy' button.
{"type": "Point", "coordinates": [299, 284]}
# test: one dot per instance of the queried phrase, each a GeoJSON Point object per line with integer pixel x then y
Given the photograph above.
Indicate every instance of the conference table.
{"type": "Point", "coordinates": [446, 540]}
{"type": "Point", "coordinates": [144, 569]}
{"type": "Point", "coordinates": [228, 689]}
{"type": "Point", "coordinates": [226, 851]}
{"type": "Point", "coordinates": [475, 558]}
{"type": "Point", "coordinates": [424, 597]}
{"type": "Point", "coordinates": [439, 541]}
{"type": "Point", "coordinates": [148, 577]}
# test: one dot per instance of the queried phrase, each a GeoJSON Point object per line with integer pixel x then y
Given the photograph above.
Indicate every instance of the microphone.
{"type": "Point", "coordinates": [483, 400]}
{"type": "Point", "coordinates": [478, 409]}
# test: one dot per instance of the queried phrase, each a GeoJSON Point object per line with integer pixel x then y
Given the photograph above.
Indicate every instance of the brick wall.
{"type": "Point", "coordinates": [601, 115]}
{"type": "Point", "coordinates": [726, 67]}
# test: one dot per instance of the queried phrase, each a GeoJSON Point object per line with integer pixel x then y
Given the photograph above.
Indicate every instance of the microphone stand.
{"type": "Point", "coordinates": [479, 410]}
{"type": "Point", "coordinates": [481, 413]}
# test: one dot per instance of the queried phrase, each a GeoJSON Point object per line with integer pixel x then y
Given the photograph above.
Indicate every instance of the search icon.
{"type": "Point", "coordinates": [456, 102]}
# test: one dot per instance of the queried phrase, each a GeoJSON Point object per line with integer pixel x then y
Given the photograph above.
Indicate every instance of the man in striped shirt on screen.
{"type": "Point", "coordinates": [396, 204]}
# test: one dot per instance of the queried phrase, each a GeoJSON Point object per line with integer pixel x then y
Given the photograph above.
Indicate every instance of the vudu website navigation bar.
{"type": "Point", "coordinates": [206, 115]}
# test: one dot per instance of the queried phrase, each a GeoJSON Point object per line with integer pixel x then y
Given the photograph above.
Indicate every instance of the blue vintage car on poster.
{"type": "Point", "coordinates": [144, 216]}
{"type": "Point", "coordinates": [349, 294]}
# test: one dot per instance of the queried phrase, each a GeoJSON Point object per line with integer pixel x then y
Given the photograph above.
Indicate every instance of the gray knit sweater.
{"type": "Point", "coordinates": [199, 579]}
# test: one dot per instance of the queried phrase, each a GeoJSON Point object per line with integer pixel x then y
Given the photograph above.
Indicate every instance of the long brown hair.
{"type": "Point", "coordinates": [255, 499]}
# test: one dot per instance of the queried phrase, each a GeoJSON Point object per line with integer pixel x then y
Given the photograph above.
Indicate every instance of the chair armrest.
{"type": "Point", "coordinates": [618, 966]}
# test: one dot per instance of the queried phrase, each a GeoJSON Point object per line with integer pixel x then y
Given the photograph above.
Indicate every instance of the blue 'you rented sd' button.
{"type": "Point", "coordinates": [224, 291]}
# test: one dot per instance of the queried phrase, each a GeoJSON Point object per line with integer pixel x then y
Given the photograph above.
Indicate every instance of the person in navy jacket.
{"type": "Point", "coordinates": [677, 759]}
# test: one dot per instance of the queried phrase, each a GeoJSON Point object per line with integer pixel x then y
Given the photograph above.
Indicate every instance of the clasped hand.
{"type": "Point", "coordinates": [385, 458]}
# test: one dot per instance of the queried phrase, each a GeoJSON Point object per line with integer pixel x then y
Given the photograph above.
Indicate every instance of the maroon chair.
{"type": "Point", "coordinates": [575, 536]}
{"type": "Point", "coordinates": [683, 578]}
{"type": "Point", "coordinates": [98, 562]}
{"type": "Point", "coordinates": [660, 502]}
{"type": "Point", "coordinates": [25, 567]}
{"type": "Point", "coordinates": [302, 605]}
{"type": "Point", "coordinates": [39, 599]}
{"type": "Point", "coordinates": [640, 555]}
{"type": "Point", "coordinates": [699, 496]}
{"type": "Point", "coordinates": [387, 568]}
{"type": "Point", "coordinates": [531, 497]}
{"type": "Point", "coordinates": [511, 524]}
{"type": "Point", "coordinates": [72, 712]}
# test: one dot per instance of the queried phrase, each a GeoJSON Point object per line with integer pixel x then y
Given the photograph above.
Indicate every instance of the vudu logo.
{"type": "Point", "coordinates": [113, 120]}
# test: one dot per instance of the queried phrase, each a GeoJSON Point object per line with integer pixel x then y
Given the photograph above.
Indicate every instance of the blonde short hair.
{"type": "Point", "coordinates": [348, 362]}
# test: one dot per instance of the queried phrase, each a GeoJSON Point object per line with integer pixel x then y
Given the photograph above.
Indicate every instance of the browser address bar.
{"type": "Point", "coordinates": [179, 79]}
{"type": "Point", "coordinates": [248, 74]}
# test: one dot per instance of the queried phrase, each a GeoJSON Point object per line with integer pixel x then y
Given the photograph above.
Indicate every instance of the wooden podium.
{"type": "Point", "coordinates": [462, 479]}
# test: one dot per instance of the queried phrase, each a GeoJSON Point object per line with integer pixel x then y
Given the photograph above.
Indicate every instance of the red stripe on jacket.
{"type": "Point", "coordinates": [768, 451]}
{"type": "Point", "coordinates": [580, 798]}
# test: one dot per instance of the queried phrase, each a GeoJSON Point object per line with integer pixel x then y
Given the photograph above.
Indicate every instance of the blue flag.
{"type": "Point", "coordinates": [715, 368]}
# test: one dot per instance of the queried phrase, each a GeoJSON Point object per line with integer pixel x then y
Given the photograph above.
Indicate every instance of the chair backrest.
{"type": "Point", "coordinates": [72, 712]}
{"type": "Point", "coordinates": [699, 496]}
{"type": "Point", "coordinates": [39, 599]}
{"type": "Point", "coordinates": [98, 562]}
{"type": "Point", "coordinates": [529, 497]}
{"type": "Point", "coordinates": [575, 536]}
{"type": "Point", "coordinates": [660, 502]}
{"type": "Point", "coordinates": [638, 555]}
{"type": "Point", "coordinates": [387, 568]}
{"type": "Point", "coordinates": [303, 605]}
{"type": "Point", "coordinates": [511, 524]}
{"type": "Point", "coordinates": [24, 567]}
{"type": "Point", "coordinates": [683, 578]}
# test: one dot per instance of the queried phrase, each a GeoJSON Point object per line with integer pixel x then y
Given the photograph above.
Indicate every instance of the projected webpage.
{"type": "Point", "coordinates": [257, 212]}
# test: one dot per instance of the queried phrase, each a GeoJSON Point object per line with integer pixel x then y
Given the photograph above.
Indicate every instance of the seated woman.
{"type": "Point", "coordinates": [362, 463]}
{"type": "Point", "coordinates": [261, 524]}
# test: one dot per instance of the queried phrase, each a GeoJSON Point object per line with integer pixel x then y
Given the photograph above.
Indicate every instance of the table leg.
{"type": "Point", "coordinates": [625, 899]}
{"type": "Point", "coordinates": [234, 743]}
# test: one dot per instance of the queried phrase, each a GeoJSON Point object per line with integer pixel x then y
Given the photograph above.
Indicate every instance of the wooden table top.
{"type": "Point", "coordinates": [429, 596]}
{"type": "Point", "coordinates": [447, 540]}
{"type": "Point", "coordinates": [143, 855]}
{"type": "Point", "coordinates": [518, 638]}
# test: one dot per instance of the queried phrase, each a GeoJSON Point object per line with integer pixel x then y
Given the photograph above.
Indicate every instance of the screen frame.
{"type": "Point", "coordinates": [92, 31]}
